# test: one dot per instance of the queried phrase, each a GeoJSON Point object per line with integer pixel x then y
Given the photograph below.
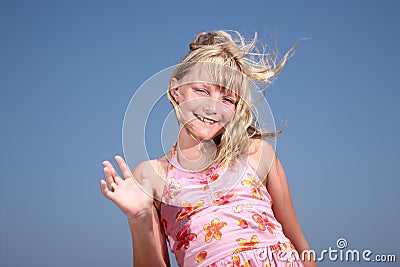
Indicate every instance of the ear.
{"type": "Point", "coordinates": [174, 89]}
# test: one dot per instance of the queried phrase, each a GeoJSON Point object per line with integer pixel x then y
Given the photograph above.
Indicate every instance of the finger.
{"type": "Point", "coordinates": [114, 174]}
{"type": "Point", "coordinates": [107, 164]}
{"type": "Point", "coordinates": [107, 193]}
{"type": "Point", "coordinates": [113, 186]}
{"type": "Point", "coordinates": [108, 175]}
{"type": "Point", "coordinates": [126, 172]}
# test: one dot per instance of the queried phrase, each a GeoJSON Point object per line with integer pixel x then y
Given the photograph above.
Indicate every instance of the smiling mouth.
{"type": "Point", "coordinates": [205, 120]}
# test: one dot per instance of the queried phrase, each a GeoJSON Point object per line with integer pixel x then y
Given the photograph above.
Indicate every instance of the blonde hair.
{"type": "Point", "coordinates": [230, 64]}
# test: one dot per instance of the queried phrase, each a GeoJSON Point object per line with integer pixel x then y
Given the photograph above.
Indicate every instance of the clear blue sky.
{"type": "Point", "coordinates": [69, 68]}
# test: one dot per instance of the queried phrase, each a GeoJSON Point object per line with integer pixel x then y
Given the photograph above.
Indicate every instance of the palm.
{"type": "Point", "coordinates": [126, 193]}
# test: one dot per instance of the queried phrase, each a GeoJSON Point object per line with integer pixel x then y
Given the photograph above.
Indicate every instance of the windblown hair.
{"type": "Point", "coordinates": [232, 65]}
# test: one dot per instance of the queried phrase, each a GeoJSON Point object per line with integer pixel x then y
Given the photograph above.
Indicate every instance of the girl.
{"type": "Point", "coordinates": [211, 196]}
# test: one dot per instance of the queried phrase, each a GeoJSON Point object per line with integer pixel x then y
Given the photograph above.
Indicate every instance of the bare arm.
{"type": "Point", "coordinates": [149, 246]}
{"type": "Point", "coordinates": [148, 242]}
{"type": "Point", "coordinates": [263, 159]}
{"type": "Point", "coordinates": [283, 208]}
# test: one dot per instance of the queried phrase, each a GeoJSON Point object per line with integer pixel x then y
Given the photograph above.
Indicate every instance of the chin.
{"type": "Point", "coordinates": [214, 136]}
{"type": "Point", "coordinates": [204, 135]}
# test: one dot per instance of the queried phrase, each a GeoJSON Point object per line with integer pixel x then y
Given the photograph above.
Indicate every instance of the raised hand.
{"type": "Point", "coordinates": [125, 192]}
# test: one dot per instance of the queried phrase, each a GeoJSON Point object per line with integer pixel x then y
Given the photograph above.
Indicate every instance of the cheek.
{"type": "Point", "coordinates": [228, 113]}
{"type": "Point", "coordinates": [190, 104]}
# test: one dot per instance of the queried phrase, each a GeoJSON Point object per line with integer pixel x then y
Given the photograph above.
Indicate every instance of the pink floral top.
{"type": "Point", "coordinates": [210, 216]}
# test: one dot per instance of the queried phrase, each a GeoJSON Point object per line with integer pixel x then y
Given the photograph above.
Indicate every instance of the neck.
{"type": "Point", "coordinates": [193, 154]}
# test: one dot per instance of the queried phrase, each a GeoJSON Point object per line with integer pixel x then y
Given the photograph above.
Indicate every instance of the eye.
{"type": "Point", "coordinates": [229, 100]}
{"type": "Point", "coordinates": [201, 90]}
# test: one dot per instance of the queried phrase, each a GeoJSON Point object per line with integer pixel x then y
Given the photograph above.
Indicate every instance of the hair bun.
{"type": "Point", "coordinates": [209, 38]}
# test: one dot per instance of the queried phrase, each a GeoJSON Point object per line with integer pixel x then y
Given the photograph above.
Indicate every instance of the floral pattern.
{"type": "Point", "coordinates": [172, 188]}
{"type": "Point", "coordinates": [255, 186]}
{"type": "Point", "coordinates": [184, 237]}
{"type": "Point", "coordinates": [224, 199]}
{"type": "Point", "coordinates": [189, 210]}
{"type": "Point", "coordinates": [209, 179]}
{"type": "Point", "coordinates": [213, 230]}
{"type": "Point", "coordinates": [264, 223]}
{"type": "Point", "coordinates": [201, 256]}
{"type": "Point", "coordinates": [230, 223]}
{"type": "Point", "coordinates": [242, 223]}
{"type": "Point", "coordinates": [238, 209]}
{"type": "Point", "coordinates": [238, 263]}
{"type": "Point", "coordinates": [246, 245]}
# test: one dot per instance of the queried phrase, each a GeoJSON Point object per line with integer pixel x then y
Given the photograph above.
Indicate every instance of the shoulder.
{"type": "Point", "coordinates": [150, 168]}
{"type": "Point", "coordinates": [155, 171]}
{"type": "Point", "coordinates": [261, 157]}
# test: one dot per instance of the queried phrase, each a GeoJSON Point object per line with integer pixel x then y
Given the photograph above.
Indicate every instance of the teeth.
{"type": "Point", "coordinates": [206, 120]}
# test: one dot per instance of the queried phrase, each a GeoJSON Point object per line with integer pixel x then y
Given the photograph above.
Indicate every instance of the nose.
{"type": "Point", "coordinates": [210, 107]}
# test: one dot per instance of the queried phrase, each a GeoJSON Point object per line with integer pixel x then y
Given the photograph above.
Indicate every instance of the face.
{"type": "Point", "coordinates": [206, 109]}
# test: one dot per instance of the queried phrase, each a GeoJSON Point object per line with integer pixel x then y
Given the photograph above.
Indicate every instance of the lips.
{"type": "Point", "coordinates": [205, 119]}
